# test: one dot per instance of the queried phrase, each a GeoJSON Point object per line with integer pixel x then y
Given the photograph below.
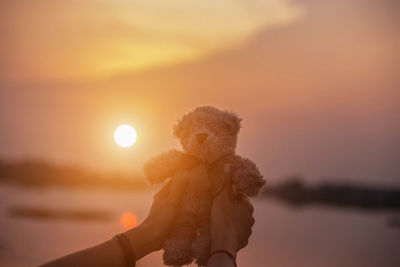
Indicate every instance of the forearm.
{"type": "Point", "coordinates": [220, 260]}
{"type": "Point", "coordinates": [223, 249]}
{"type": "Point", "coordinates": [110, 252]}
{"type": "Point", "coordinates": [106, 254]}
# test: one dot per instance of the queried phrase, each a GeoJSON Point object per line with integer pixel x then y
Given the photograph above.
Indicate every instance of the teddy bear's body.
{"type": "Point", "coordinates": [208, 136]}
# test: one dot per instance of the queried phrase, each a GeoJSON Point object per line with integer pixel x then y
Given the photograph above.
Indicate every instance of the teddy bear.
{"type": "Point", "coordinates": [208, 136]}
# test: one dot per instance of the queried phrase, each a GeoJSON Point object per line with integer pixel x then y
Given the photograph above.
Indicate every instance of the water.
{"type": "Point", "coordinates": [282, 237]}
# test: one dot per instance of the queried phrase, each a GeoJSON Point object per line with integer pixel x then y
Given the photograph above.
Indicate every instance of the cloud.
{"type": "Point", "coordinates": [47, 40]}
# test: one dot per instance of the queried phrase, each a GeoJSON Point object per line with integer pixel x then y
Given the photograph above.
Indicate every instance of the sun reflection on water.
{"type": "Point", "coordinates": [128, 220]}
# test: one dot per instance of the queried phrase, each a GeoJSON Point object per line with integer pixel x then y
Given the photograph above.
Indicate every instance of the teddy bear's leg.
{"type": "Point", "coordinates": [177, 249]}
{"type": "Point", "coordinates": [202, 245]}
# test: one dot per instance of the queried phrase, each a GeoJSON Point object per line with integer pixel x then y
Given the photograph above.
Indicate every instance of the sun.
{"type": "Point", "coordinates": [125, 135]}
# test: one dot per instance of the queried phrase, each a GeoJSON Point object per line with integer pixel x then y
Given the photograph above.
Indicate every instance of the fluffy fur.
{"type": "Point", "coordinates": [208, 136]}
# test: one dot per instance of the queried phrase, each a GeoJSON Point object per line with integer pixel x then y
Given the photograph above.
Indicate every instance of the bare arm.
{"type": "Point", "coordinates": [109, 253]}
{"type": "Point", "coordinates": [145, 238]}
{"type": "Point", "coordinates": [220, 260]}
{"type": "Point", "coordinates": [230, 227]}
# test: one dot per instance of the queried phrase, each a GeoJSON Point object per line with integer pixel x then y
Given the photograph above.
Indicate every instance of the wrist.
{"type": "Point", "coordinates": [224, 243]}
{"type": "Point", "coordinates": [221, 258]}
{"type": "Point", "coordinates": [144, 240]}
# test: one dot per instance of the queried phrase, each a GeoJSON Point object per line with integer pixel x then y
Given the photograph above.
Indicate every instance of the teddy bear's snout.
{"type": "Point", "coordinates": [201, 137]}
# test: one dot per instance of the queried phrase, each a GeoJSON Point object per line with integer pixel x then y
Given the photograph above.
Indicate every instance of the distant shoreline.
{"type": "Point", "coordinates": [292, 191]}
{"type": "Point", "coordinates": [41, 213]}
{"type": "Point", "coordinates": [43, 174]}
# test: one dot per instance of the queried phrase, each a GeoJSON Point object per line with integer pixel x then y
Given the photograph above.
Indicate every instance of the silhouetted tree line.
{"type": "Point", "coordinates": [295, 193]}
{"type": "Point", "coordinates": [40, 174]}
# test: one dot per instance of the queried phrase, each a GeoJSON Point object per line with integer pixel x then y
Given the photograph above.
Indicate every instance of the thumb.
{"type": "Point", "coordinates": [178, 186]}
{"type": "Point", "coordinates": [228, 192]}
{"type": "Point", "coordinates": [226, 188]}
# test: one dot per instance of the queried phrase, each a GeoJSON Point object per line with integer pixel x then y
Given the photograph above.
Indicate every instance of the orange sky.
{"type": "Point", "coordinates": [73, 39]}
{"type": "Point", "coordinates": [316, 82]}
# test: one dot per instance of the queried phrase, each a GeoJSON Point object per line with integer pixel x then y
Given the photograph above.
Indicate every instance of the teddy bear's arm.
{"type": "Point", "coordinates": [163, 166]}
{"type": "Point", "coordinates": [246, 177]}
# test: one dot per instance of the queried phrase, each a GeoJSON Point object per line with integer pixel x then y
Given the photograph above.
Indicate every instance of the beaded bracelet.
{"type": "Point", "coordinates": [126, 246]}
{"type": "Point", "coordinates": [225, 252]}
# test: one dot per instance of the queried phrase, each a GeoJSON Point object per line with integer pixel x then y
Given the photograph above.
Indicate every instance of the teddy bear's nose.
{"type": "Point", "coordinates": [201, 137]}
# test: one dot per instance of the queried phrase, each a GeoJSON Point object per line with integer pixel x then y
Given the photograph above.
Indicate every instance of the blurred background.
{"type": "Point", "coordinates": [315, 82]}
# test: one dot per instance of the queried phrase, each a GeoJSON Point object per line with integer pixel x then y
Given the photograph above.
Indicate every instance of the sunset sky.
{"type": "Point", "coordinates": [316, 82]}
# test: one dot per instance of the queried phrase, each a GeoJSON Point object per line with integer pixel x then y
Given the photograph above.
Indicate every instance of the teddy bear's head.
{"type": "Point", "coordinates": [208, 133]}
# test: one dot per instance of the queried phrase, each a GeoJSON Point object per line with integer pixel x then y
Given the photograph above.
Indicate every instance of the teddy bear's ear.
{"type": "Point", "coordinates": [179, 127]}
{"type": "Point", "coordinates": [233, 122]}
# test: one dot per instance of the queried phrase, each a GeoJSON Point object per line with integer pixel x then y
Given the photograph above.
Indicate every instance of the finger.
{"type": "Point", "coordinates": [234, 195]}
{"type": "Point", "coordinates": [247, 204]}
{"type": "Point", "coordinates": [226, 188]}
{"type": "Point", "coordinates": [250, 228]}
{"type": "Point", "coordinates": [244, 244]}
{"type": "Point", "coordinates": [226, 194]}
{"type": "Point", "coordinates": [252, 221]}
{"type": "Point", "coordinates": [178, 186]}
{"type": "Point", "coordinates": [220, 186]}
{"type": "Point", "coordinates": [237, 197]}
{"type": "Point", "coordinates": [248, 234]}
{"type": "Point", "coordinates": [231, 190]}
